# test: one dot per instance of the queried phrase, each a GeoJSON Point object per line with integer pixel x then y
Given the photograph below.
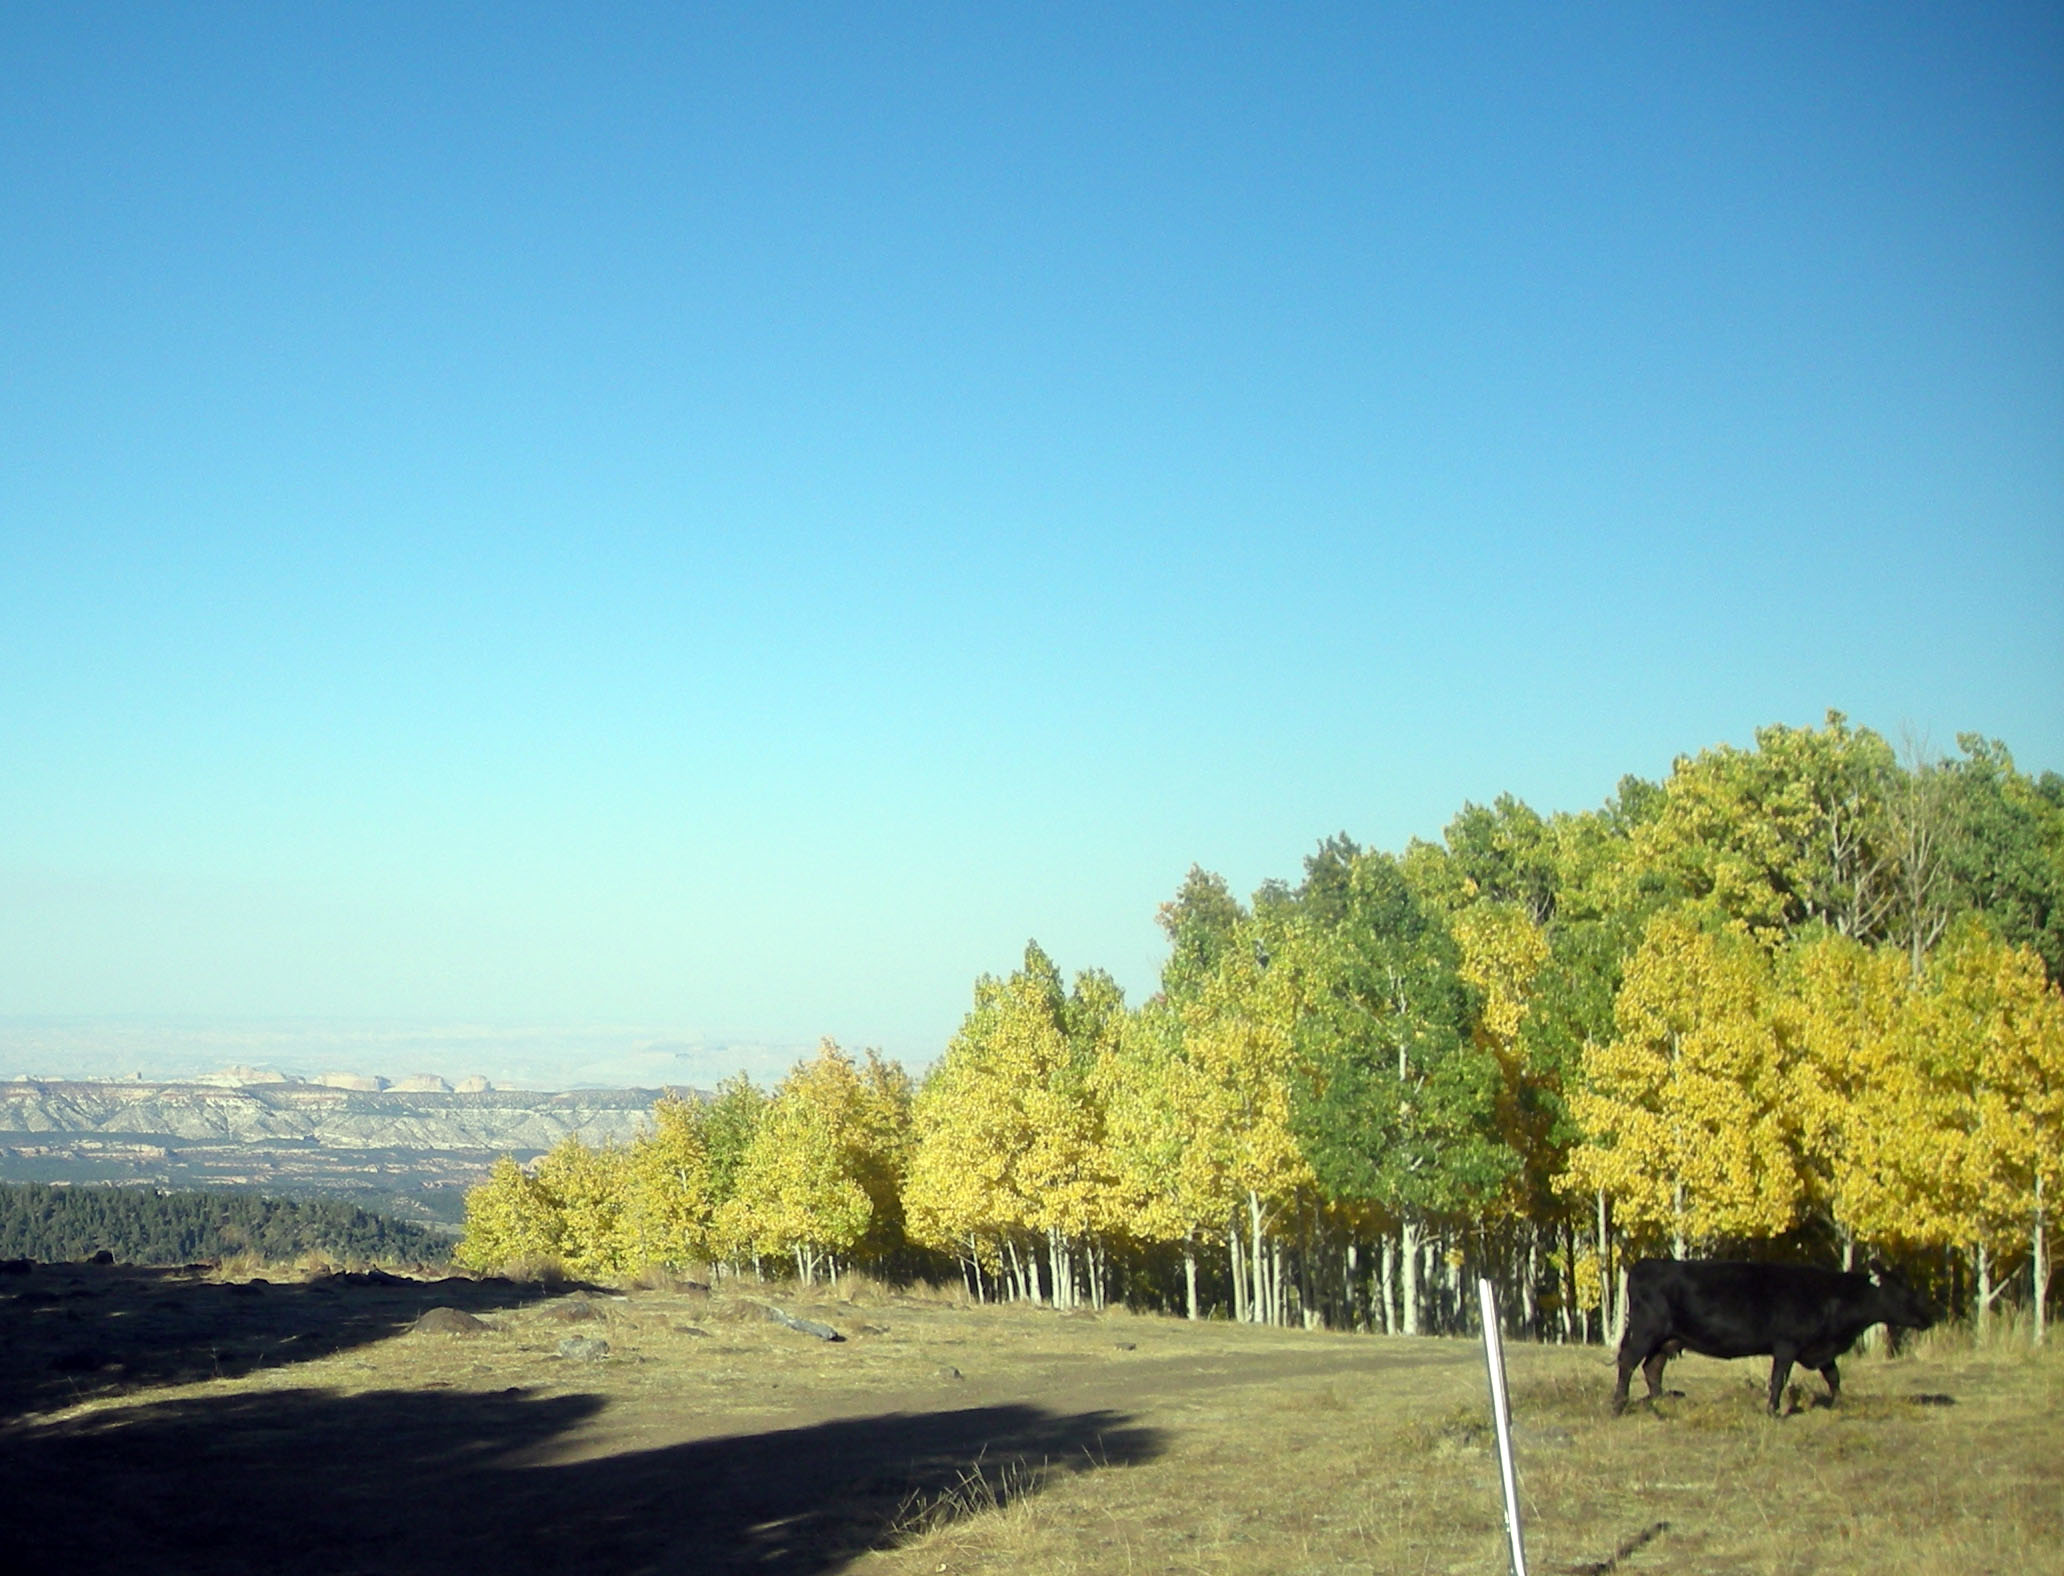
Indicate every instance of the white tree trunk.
{"type": "Point", "coordinates": [1239, 1270]}
{"type": "Point", "coordinates": [1607, 1323]}
{"type": "Point", "coordinates": [1988, 1291]}
{"type": "Point", "coordinates": [1258, 1258]}
{"type": "Point", "coordinates": [1530, 1309]}
{"type": "Point", "coordinates": [1408, 1253]}
{"type": "Point", "coordinates": [2039, 1266]}
{"type": "Point", "coordinates": [1189, 1271]}
{"type": "Point", "coordinates": [1387, 1274]}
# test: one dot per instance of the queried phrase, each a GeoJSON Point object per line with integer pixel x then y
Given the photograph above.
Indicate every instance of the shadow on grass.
{"type": "Point", "coordinates": [72, 1332]}
{"type": "Point", "coordinates": [1628, 1548]}
{"type": "Point", "coordinates": [406, 1481]}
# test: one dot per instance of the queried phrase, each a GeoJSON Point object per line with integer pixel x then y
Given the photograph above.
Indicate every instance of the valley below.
{"type": "Point", "coordinates": [410, 1152]}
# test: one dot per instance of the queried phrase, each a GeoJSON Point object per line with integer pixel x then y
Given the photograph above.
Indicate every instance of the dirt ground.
{"type": "Point", "coordinates": [171, 1421]}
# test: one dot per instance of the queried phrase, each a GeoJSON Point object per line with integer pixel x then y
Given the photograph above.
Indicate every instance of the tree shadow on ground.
{"type": "Point", "coordinates": [73, 1332]}
{"type": "Point", "coordinates": [407, 1482]}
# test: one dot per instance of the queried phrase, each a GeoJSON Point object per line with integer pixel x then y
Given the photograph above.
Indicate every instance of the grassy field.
{"type": "Point", "coordinates": [180, 1421]}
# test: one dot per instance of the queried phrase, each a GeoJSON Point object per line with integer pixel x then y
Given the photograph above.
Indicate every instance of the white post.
{"type": "Point", "coordinates": [1501, 1415]}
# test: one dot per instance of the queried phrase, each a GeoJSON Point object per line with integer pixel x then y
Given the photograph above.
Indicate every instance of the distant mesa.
{"type": "Point", "coordinates": [240, 1077]}
{"type": "Point", "coordinates": [422, 1083]}
{"type": "Point", "coordinates": [351, 1081]}
{"type": "Point", "coordinates": [475, 1085]}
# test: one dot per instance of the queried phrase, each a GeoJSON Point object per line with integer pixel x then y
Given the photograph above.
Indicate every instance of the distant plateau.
{"type": "Point", "coordinates": [410, 1151]}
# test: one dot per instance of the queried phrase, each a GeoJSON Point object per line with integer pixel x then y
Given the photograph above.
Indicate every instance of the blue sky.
{"type": "Point", "coordinates": [713, 525]}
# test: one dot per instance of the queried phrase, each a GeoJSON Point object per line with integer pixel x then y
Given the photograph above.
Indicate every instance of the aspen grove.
{"type": "Point", "coordinates": [1796, 1001]}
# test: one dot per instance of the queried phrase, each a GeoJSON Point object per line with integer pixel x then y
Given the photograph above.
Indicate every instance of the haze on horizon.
{"type": "Point", "coordinates": [726, 523]}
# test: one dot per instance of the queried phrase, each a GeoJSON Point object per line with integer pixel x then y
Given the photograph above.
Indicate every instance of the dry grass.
{"type": "Point", "coordinates": [1948, 1461]}
{"type": "Point", "coordinates": [1165, 1446]}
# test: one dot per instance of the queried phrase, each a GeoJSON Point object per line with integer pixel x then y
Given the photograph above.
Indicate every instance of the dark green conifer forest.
{"type": "Point", "coordinates": [145, 1226]}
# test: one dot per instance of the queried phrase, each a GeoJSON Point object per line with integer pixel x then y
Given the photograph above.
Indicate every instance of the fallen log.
{"type": "Point", "coordinates": [823, 1332]}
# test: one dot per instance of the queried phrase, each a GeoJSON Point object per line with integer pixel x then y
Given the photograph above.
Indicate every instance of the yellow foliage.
{"type": "Point", "coordinates": [1684, 1111]}
{"type": "Point", "coordinates": [667, 1213]}
{"type": "Point", "coordinates": [802, 1187]}
{"type": "Point", "coordinates": [1008, 1131]}
{"type": "Point", "coordinates": [1170, 1187]}
{"type": "Point", "coordinates": [1239, 1034]}
{"type": "Point", "coordinates": [508, 1218]}
{"type": "Point", "coordinates": [1502, 952]}
{"type": "Point", "coordinates": [588, 1188]}
{"type": "Point", "coordinates": [1932, 1110]}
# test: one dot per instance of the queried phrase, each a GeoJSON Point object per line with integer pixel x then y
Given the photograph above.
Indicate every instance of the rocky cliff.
{"type": "Point", "coordinates": [299, 1113]}
{"type": "Point", "coordinates": [413, 1149]}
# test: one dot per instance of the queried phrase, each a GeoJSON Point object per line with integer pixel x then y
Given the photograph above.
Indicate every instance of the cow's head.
{"type": "Point", "coordinates": [1899, 1303]}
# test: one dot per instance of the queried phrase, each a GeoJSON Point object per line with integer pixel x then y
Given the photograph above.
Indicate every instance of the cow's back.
{"type": "Point", "coordinates": [1735, 1309]}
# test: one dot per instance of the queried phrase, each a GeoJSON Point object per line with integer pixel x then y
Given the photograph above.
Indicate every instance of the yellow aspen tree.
{"type": "Point", "coordinates": [1240, 1035]}
{"type": "Point", "coordinates": [510, 1220]}
{"type": "Point", "coordinates": [1008, 1147]}
{"type": "Point", "coordinates": [960, 1192]}
{"type": "Point", "coordinates": [1169, 1187]}
{"type": "Point", "coordinates": [668, 1210]}
{"type": "Point", "coordinates": [1026, 1057]}
{"type": "Point", "coordinates": [1686, 1124]}
{"type": "Point", "coordinates": [1999, 996]}
{"type": "Point", "coordinates": [1907, 1170]}
{"type": "Point", "coordinates": [1068, 1172]}
{"type": "Point", "coordinates": [1852, 1085]}
{"type": "Point", "coordinates": [953, 1186]}
{"type": "Point", "coordinates": [589, 1189]}
{"type": "Point", "coordinates": [1503, 951]}
{"type": "Point", "coordinates": [884, 1150]}
{"type": "Point", "coordinates": [799, 1190]}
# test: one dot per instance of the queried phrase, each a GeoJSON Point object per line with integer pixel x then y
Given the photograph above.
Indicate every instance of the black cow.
{"type": "Point", "coordinates": [1787, 1312]}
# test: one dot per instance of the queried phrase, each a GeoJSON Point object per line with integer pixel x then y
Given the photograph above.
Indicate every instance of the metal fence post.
{"type": "Point", "coordinates": [1501, 1415]}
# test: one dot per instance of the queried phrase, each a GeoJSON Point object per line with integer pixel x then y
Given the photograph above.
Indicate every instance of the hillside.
{"type": "Point", "coordinates": [416, 1150]}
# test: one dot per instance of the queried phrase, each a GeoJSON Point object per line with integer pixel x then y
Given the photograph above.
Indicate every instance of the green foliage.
{"type": "Point", "coordinates": [2006, 849]}
{"type": "Point", "coordinates": [145, 1226]}
{"type": "Point", "coordinates": [1790, 833]}
{"type": "Point", "coordinates": [1397, 1103]}
{"type": "Point", "coordinates": [1199, 922]}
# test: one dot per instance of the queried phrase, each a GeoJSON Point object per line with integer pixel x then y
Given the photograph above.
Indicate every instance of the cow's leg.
{"type": "Point", "coordinates": [1780, 1370]}
{"type": "Point", "coordinates": [1645, 1341]}
{"type": "Point", "coordinates": [1833, 1376]}
{"type": "Point", "coordinates": [1652, 1371]}
{"type": "Point", "coordinates": [1635, 1352]}
{"type": "Point", "coordinates": [1628, 1363]}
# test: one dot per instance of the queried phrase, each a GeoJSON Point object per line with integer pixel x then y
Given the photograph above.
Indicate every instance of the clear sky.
{"type": "Point", "coordinates": [721, 522]}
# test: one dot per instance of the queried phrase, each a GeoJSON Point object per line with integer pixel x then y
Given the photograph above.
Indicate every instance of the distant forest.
{"type": "Point", "coordinates": [143, 1226]}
